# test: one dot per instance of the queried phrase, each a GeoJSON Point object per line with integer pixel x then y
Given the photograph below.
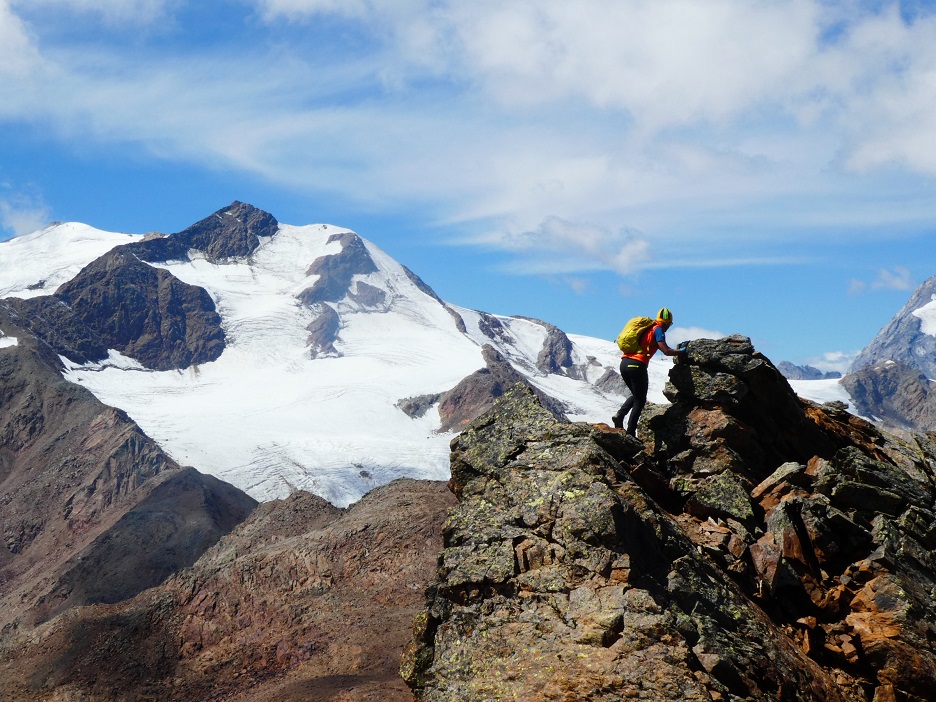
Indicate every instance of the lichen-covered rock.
{"type": "Point", "coordinates": [755, 546]}
{"type": "Point", "coordinates": [561, 580]}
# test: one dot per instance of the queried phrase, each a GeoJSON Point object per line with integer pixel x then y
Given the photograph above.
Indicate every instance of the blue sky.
{"type": "Point", "coordinates": [765, 167]}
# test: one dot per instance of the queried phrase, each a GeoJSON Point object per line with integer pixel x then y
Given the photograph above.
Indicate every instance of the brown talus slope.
{"type": "Point", "coordinates": [755, 547]}
{"type": "Point", "coordinates": [302, 602]}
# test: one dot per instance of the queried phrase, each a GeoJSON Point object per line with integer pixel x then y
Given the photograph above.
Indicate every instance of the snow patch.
{"type": "Point", "coordinates": [38, 263]}
{"type": "Point", "coordinates": [927, 316]}
{"type": "Point", "coordinates": [822, 391]}
{"type": "Point", "coordinates": [7, 341]}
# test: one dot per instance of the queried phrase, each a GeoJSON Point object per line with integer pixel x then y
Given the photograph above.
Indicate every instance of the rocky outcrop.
{"type": "Point", "coordinates": [93, 510]}
{"type": "Point", "coordinates": [303, 601]}
{"type": "Point", "coordinates": [120, 302]}
{"type": "Point", "coordinates": [477, 393]}
{"type": "Point", "coordinates": [753, 546]}
{"type": "Point", "coordinates": [556, 354]}
{"type": "Point", "coordinates": [231, 232]}
{"type": "Point", "coordinates": [897, 396]}
{"type": "Point", "coordinates": [336, 271]}
{"type": "Point", "coordinates": [323, 331]}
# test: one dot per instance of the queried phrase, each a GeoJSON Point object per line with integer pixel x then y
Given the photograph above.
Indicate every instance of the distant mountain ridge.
{"type": "Point", "coordinates": [279, 357]}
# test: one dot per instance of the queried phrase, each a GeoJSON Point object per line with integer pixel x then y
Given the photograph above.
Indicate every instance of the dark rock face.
{"type": "Point", "coordinates": [896, 395]}
{"type": "Point", "coordinates": [556, 354]}
{"type": "Point", "coordinates": [476, 394]}
{"type": "Point", "coordinates": [119, 302]}
{"type": "Point", "coordinates": [80, 486]}
{"type": "Point", "coordinates": [892, 395]}
{"type": "Point", "coordinates": [422, 285]}
{"type": "Point", "coordinates": [231, 232]}
{"type": "Point", "coordinates": [491, 327]}
{"type": "Point", "coordinates": [145, 313]}
{"type": "Point", "coordinates": [336, 271]}
{"type": "Point", "coordinates": [323, 331]}
{"type": "Point", "coordinates": [754, 546]}
{"type": "Point", "coordinates": [902, 340]}
{"type": "Point", "coordinates": [303, 601]}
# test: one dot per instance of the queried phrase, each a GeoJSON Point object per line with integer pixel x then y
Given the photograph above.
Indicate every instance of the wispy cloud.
{"type": "Point", "coordinates": [894, 278]}
{"type": "Point", "coordinates": [523, 120]}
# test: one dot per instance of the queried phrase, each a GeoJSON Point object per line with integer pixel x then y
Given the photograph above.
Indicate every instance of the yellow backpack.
{"type": "Point", "coordinates": [629, 338]}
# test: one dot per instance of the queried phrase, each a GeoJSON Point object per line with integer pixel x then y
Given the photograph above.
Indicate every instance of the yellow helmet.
{"type": "Point", "coordinates": [664, 315]}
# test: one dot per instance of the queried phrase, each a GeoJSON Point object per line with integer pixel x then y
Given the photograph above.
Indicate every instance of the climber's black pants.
{"type": "Point", "coordinates": [635, 377]}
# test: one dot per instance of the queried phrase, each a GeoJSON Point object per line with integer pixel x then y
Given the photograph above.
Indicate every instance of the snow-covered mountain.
{"type": "Point", "coordinates": [909, 338]}
{"type": "Point", "coordinates": [332, 362]}
{"type": "Point", "coordinates": [892, 379]}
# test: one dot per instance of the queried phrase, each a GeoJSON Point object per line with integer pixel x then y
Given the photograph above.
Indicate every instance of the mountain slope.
{"type": "Point", "coordinates": [892, 378]}
{"type": "Point", "coordinates": [278, 357]}
{"type": "Point", "coordinates": [303, 601]}
{"type": "Point", "coordinates": [93, 510]}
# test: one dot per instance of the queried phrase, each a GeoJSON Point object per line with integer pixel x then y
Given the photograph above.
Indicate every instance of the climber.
{"type": "Point", "coordinates": [634, 369]}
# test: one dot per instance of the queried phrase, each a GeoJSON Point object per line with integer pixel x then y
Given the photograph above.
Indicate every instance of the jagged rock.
{"type": "Point", "coordinates": [492, 328]}
{"type": "Point", "coordinates": [476, 394]}
{"type": "Point", "coordinates": [423, 286]}
{"type": "Point", "coordinates": [902, 340]}
{"type": "Point", "coordinates": [780, 550]}
{"type": "Point", "coordinates": [896, 395]}
{"type": "Point", "coordinates": [367, 296]}
{"type": "Point", "coordinates": [323, 331]}
{"type": "Point", "coordinates": [336, 271]}
{"type": "Point", "coordinates": [146, 313]}
{"type": "Point", "coordinates": [724, 496]}
{"type": "Point", "coordinates": [231, 232]}
{"type": "Point", "coordinates": [560, 579]}
{"type": "Point", "coordinates": [556, 353]}
{"type": "Point", "coordinates": [417, 407]}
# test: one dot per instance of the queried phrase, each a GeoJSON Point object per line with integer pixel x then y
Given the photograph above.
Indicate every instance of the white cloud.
{"type": "Point", "coordinates": [558, 245]}
{"type": "Point", "coordinates": [693, 123]}
{"type": "Point", "coordinates": [678, 334]}
{"type": "Point", "coordinates": [17, 51]}
{"type": "Point", "coordinates": [856, 286]}
{"type": "Point", "coordinates": [134, 12]}
{"type": "Point", "coordinates": [299, 9]}
{"type": "Point", "coordinates": [22, 214]}
{"type": "Point", "coordinates": [896, 278]}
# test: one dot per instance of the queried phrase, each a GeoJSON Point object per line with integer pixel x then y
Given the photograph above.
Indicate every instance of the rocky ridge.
{"type": "Point", "coordinates": [754, 547]}
{"type": "Point", "coordinates": [792, 371]}
{"type": "Point", "coordinates": [92, 509]}
{"type": "Point", "coordinates": [120, 302]}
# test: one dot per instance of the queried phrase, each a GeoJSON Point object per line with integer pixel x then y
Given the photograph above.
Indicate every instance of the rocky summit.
{"type": "Point", "coordinates": [753, 546]}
